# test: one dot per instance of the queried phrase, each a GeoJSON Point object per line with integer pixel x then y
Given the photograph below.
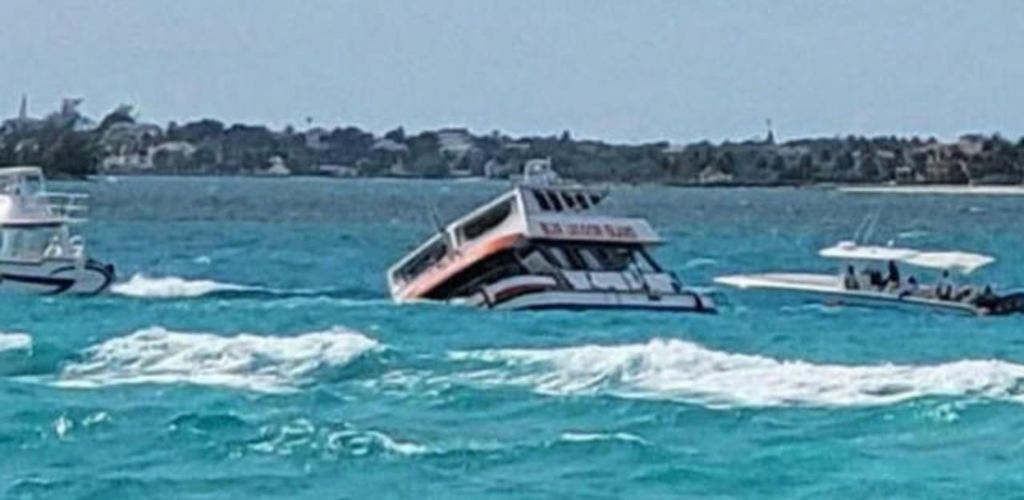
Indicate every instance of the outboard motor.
{"type": "Point", "coordinates": [1011, 303]}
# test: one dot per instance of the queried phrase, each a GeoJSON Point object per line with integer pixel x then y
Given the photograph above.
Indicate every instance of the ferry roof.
{"type": "Point", "coordinates": [960, 261]}
{"type": "Point", "coordinates": [20, 170]}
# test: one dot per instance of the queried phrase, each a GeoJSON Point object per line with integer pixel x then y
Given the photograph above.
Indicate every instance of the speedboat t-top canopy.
{"type": "Point", "coordinates": [953, 260]}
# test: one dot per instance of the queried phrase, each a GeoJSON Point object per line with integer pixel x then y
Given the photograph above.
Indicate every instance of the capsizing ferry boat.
{"type": "Point", "coordinates": [38, 253]}
{"type": "Point", "coordinates": [542, 246]}
{"type": "Point", "coordinates": [866, 285]}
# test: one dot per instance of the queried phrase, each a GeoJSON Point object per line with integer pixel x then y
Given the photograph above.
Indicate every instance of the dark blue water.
{"type": "Point", "coordinates": [250, 351]}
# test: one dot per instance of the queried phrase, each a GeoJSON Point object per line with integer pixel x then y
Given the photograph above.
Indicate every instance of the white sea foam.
{"type": "Point", "coordinates": [393, 445]}
{"type": "Point", "coordinates": [909, 235]}
{"type": "Point", "coordinates": [700, 262]}
{"type": "Point", "coordinates": [15, 342]}
{"type": "Point", "coordinates": [303, 436]}
{"type": "Point", "coordinates": [590, 437]}
{"type": "Point", "coordinates": [140, 285]}
{"type": "Point", "coordinates": [259, 363]}
{"type": "Point", "coordinates": [670, 369]}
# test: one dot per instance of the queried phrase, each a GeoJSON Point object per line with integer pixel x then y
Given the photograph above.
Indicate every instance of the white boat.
{"type": "Point", "coordinates": [541, 245]}
{"type": "Point", "coordinates": [38, 253]}
{"type": "Point", "coordinates": [834, 288]}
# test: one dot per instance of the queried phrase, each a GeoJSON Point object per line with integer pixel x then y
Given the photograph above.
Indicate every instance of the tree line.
{"type": "Point", "coordinates": [69, 144]}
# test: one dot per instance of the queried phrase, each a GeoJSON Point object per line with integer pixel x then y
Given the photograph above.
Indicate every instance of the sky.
{"type": "Point", "coordinates": [621, 71]}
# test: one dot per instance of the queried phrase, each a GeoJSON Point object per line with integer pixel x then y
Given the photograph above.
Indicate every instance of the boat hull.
{"type": "Point", "coordinates": [825, 288]}
{"type": "Point", "coordinates": [586, 300]}
{"type": "Point", "coordinates": [54, 277]}
{"type": "Point", "coordinates": [888, 301]}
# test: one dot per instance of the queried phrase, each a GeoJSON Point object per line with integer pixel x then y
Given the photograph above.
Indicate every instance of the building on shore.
{"type": "Point", "coordinates": [337, 171]}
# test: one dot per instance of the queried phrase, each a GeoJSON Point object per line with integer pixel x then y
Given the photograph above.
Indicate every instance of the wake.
{"type": "Point", "coordinates": [172, 287]}
{"type": "Point", "coordinates": [140, 285]}
{"type": "Point", "coordinates": [675, 370]}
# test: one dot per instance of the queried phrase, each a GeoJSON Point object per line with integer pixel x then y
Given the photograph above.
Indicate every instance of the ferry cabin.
{"type": "Point", "coordinates": [38, 253]}
{"type": "Point", "coordinates": [33, 222]}
{"type": "Point", "coordinates": [531, 239]}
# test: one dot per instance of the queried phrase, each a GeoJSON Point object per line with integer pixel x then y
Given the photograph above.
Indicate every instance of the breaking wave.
{"type": "Point", "coordinates": [670, 369]}
{"type": "Point", "coordinates": [258, 363]}
{"type": "Point", "coordinates": [15, 342]}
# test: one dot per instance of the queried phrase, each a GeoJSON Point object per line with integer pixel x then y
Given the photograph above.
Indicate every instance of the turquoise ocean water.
{"type": "Point", "coordinates": [250, 350]}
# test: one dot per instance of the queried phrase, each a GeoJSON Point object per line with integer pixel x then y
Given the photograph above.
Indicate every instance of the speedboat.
{"type": "Point", "coordinates": [38, 252]}
{"type": "Point", "coordinates": [866, 287]}
{"type": "Point", "coordinates": [543, 245]}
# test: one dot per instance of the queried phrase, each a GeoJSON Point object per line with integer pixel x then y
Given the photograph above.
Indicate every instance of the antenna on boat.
{"type": "Point", "coordinates": [866, 229]}
{"type": "Point", "coordinates": [435, 219]}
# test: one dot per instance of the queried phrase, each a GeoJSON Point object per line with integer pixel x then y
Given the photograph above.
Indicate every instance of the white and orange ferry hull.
{"type": "Point", "coordinates": [569, 299]}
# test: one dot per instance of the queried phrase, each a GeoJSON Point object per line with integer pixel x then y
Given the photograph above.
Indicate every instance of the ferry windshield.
{"type": "Point", "coordinates": [22, 185]}
{"type": "Point", "coordinates": [426, 257]}
{"type": "Point", "coordinates": [31, 244]}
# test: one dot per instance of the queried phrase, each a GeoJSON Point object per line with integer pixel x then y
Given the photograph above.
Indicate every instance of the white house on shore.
{"type": "Point", "coordinates": [277, 168]}
{"type": "Point", "coordinates": [337, 171]}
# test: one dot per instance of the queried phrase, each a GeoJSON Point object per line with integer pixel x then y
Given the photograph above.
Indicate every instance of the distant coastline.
{"type": "Point", "coordinates": [70, 145]}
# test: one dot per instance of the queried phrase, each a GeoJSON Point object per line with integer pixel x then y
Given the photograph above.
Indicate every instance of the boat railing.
{"type": "Point", "coordinates": [623, 281]}
{"type": "Point", "coordinates": [69, 206]}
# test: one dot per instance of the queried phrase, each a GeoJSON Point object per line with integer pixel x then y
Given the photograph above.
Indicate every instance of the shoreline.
{"type": "Point", "coordinates": [853, 188]}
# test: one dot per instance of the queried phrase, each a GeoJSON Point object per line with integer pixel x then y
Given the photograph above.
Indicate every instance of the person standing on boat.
{"type": "Point", "coordinates": [54, 249]}
{"type": "Point", "coordinates": [874, 277]}
{"type": "Point", "coordinates": [892, 281]}
{"type": "Point", "coordinates": [850, 279]}
{"type": "Point", "coordinates": [944, 288]}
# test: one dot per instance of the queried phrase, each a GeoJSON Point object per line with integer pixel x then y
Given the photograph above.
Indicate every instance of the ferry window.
{"type": "Point", "coordinates": [33, 184]}
{"type": "Point", "coordinates": [644, 262]}
{"type": "Point", "coordinates": [555, 202]}
{"type": "Point", "coordinates": [536, 262]}
{"type": "Point", "coordinates": [26, 244]}
{"type": "Point", "coordinates": [425, 259]}
{"type": "Point", "coordinates": [570, 202]}
{"type": "Point", "coordinates": [590, 261]}
{"type": "Point", "coordinates": [542, 200]}
{"type": "Point", "coordinates": [595, 199]}
{"type": "Point", "coordinates": [575, 261]}
{"type": "Point", "coordinates": [613, 258]}
{"type": "Point", "coordinates": [486, 221]}
{"type": "Point", "coordinates": [581, 200]}
{"type": "Point", "coordinates": [11, 242]}
{"type": "Point", "coordinates": [560, 258]}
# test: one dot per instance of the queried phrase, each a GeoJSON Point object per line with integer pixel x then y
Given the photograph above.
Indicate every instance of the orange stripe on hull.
{"type": "Point", "coordinates": [454, 262]}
